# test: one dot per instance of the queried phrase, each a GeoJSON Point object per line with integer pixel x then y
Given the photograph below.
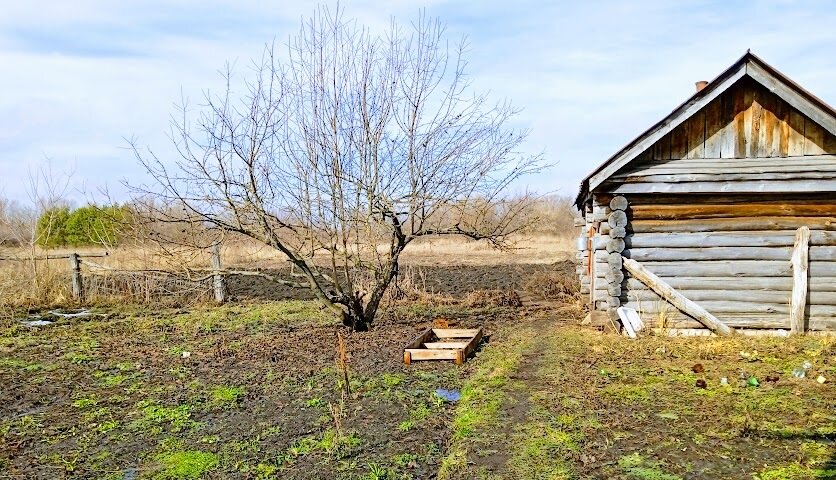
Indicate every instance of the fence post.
{"type": "Point", "coordinates": [217, 278]}
{"type": "Point", "coordinates": [78, 285]}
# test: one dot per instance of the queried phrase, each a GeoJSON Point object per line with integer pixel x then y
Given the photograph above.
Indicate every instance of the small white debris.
{"type": "Point", "coordinates": [187, 354]}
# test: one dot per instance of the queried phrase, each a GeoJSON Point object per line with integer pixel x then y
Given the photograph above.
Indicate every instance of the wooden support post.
{"type": "Point", "coordinates": [675, 298]}
{"type": "Point", "coordinates": [800, 263]}
{"type": "Point", "coordinates": [218, 285]}
{"type": "Point", "coordinates": [77, 283]}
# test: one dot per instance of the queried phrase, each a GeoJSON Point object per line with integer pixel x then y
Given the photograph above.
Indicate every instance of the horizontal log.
{"type": "Point", "coordinates": [783, 238]}
{"type": "Point", "coordinates": [698, 211]}
{"type": "Point", "coordinates": [717, 307]}
{"type": "Point", "coordinates": [751, 186]}
{"type": "Point", "coordinates": [676, 319]}
{"type": "Point", "coordinates": [826, 254]}
{"type": "Point", "coordinates": [733, 224]}
{"type": "Point", "coordinates": [714, 175]}
{"type": "Point", "coordinates": [765, 296]}
{"type": "Point", "coordinates": [736, 268]}
{"type": "Point", "coordinates": [689, 163]}
{"type": "Point", "coordinates": [783, 284]}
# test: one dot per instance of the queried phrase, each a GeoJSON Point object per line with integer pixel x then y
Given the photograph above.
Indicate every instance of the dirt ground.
{"type": "Point", "coordinates": [254, 390]}
{"type": "Point", "coordinates": [556, 400]}
{"type": "Point", "coordinates": [251, 389]}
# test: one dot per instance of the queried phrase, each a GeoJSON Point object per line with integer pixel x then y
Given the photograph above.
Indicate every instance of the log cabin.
{"type": "Point", "coordinates": [721, 217]}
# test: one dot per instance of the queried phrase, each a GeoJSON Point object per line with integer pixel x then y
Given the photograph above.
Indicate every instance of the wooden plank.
{"type": "Point", "coordinates": [692, 163]}
{"type": "Point", "coordinates": [713, 129]}
{"type": "Point", "coordinates": [717, 293]}
{"type": "Point", "coordinates": [420, 339]}
{"type": "Point", "coordinates": [675, 319]}
{"type": "Point", "coordinates": [662, 148]}
{"type": "Point", "coordinates": [424, 354]}
{"type": "Point", "coordinates": [743, 121]}
{"type": "Point", "coordinates": [782, 238]}
{"type": "Point", "coordinates": [749, 284]}
{"type": "Point", "coordinates": [770, 125]}
{"type": "Point", "coordinates": [455, 332]}
{"type": "Point", "coordinates": [734, 224]}
{"type": "Point", "coordinates": [813, 138]}
{"type": "Point", "coordinates": [721, 307]}
{"type": "Point", "coordinates": [782, 112]}
{"type": "Point", "coordinates": [800, 263]}
{"type": "Point", "coordinates": [736, 268]}
{"type": "Point", "coordinates": [679, 142]}
{"type": "Point", "coordinates": [671, 295]}
{"type": "Point", "coordinates": [726, 176]}
{"type": "Point", "coordinates": [795, 141]}
{"type": "Point", "coordinates": [827, 254]}
{"type": "Point", "coordinates": [753, 186]}
{"type": "Point", "coordinates": [452, 345]}
{"type": "Point", "coordinates": [754, 209]}
{"type": "Point", "coordinates": [755, 129]}
{"type": "Point", "coordinates": [695, 126]}
{"type": "Point", "coordinates": [728, 137]}
{"type": "Point", "coordinates": [472, 345]}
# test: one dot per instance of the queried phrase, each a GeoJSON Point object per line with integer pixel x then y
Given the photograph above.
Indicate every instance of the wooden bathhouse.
{"type": "Point", "coordinates": [721, 217]}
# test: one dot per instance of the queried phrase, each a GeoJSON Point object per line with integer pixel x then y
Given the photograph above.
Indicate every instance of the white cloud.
{"type": "Point", "coordinates": [590, 76]}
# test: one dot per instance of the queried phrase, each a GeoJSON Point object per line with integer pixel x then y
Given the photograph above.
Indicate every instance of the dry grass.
{"type": "Point", "coordinates": [140, 274]}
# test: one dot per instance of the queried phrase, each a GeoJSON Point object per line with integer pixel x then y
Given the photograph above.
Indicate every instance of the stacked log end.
{"type": "Point", "coordinates": [615, 245]}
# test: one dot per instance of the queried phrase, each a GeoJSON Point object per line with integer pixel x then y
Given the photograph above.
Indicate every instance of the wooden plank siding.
{"type": "Point", "coordinates": [723, 146]}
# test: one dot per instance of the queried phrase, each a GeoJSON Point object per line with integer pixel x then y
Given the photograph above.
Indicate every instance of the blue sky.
{"type": "Point", "coordinates": [80, 76]}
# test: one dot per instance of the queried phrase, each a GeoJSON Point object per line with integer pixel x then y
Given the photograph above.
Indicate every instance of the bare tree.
{"type": "Point", "coordinates": [346, 150]}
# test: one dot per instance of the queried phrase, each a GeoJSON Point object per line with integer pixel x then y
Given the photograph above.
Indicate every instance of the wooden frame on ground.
{"type": "Point", "coordinates": [443, 344]}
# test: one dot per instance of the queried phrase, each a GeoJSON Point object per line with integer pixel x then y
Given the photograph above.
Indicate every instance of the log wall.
{"type": "Point", "coordinates": [729, 255]}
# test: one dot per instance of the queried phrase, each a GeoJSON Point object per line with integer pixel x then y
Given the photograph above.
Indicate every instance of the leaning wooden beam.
{"type": "Point", "coordinates": [800, 263]}
{"type": "Point", "coordinates": [675, 298]}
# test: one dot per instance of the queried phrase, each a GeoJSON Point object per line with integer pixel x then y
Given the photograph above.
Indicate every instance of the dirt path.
{"type": "Point", "coordinates": [551, 400]}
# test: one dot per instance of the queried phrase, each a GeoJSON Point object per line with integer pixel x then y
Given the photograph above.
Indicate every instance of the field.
{"type": "Point", "coordinates": [255, 389]}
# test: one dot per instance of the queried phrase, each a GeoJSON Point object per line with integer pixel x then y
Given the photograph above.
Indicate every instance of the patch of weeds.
{"type": "Point", "coordinates": [155, 416]}
{"type": "Point", "coordinates": [795, 471]}
{"type": "Point", "coordinates": [315, 402]}
{"type": "Point", "coordinates": [85, 402]}
{"type": "Point", "coordinates": [16, 364]}
{"type": "Point", "coordinates": [406, 425]}
{"type": "Point", "coordinates": [226, 397]}
{"type": "Point", "coordinates": [180, 372]}
{"type": "Point", "coordinates": [78, 358]}
{"type": "Point", "coordinates": [627, 393]}
{"type": "Point", "coordinates": [405, 460]}
{"type": "Point", "coordinates": [107, 426]}
{"type": "Point", "coordinates": [636, 466]}
{"type": "Point", "coordinates": [185, 465]}
{"type": "Point", "coordinates": [331, 441]}
{"type": "Point", "coordinates": [379, 472]}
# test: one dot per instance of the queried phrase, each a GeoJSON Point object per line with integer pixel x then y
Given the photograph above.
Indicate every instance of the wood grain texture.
{"type": "Point", "coordinates": [800, 267]}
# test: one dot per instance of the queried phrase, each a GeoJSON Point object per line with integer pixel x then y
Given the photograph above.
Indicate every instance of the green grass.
{"type": "Point", "coordinates": [185, 465]}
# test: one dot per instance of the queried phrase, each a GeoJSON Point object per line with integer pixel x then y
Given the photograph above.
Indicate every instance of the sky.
{"type": "Point", "coordinates": [80, 77]}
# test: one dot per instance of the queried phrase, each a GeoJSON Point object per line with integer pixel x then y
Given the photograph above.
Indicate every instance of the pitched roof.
{"type": "Point", "coordinates": [748, 65]}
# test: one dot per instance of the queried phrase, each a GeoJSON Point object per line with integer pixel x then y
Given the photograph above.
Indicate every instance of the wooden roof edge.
{"type": "Point", "coordinates": [750, 65]}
